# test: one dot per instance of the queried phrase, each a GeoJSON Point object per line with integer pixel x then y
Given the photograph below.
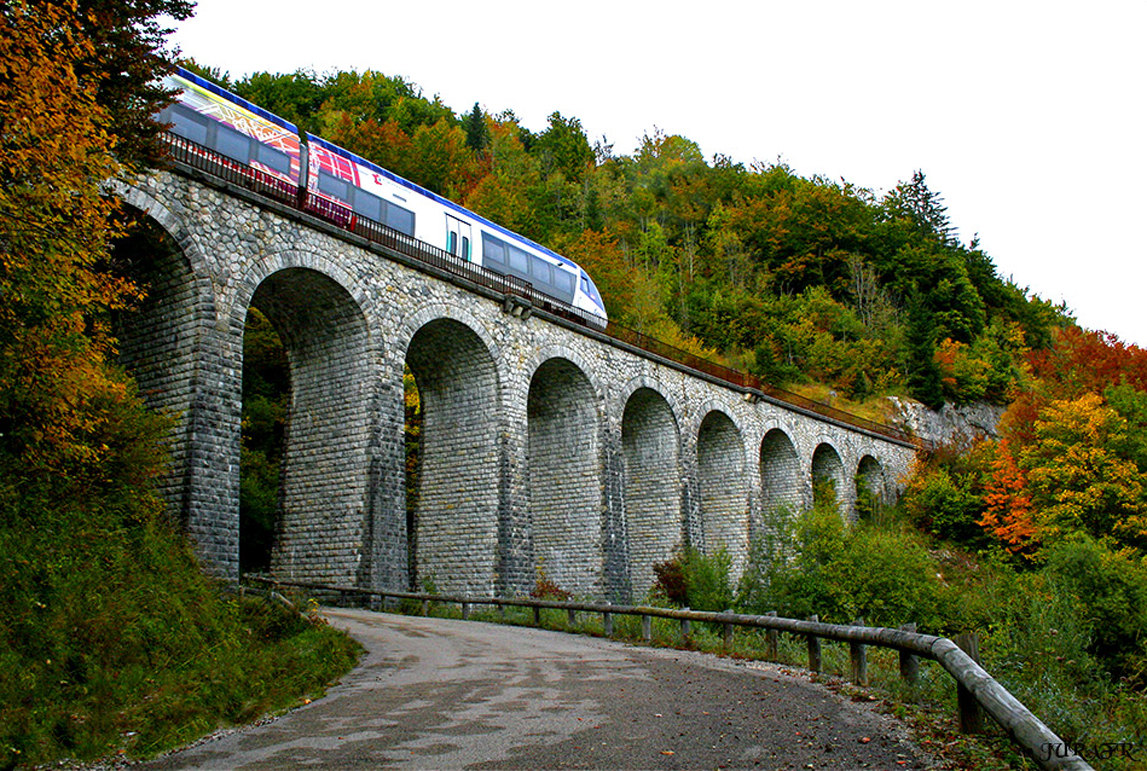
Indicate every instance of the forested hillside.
{"type": "Point", "coordinates": [794, 279]}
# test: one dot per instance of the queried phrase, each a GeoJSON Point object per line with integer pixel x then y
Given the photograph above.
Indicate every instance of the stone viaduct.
{"type": "Point", "coordinates": [547, 446]}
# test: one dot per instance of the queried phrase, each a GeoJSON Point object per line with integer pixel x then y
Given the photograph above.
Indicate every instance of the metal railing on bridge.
{"type": "Point", "coordinates": [206, 160]}
{"type": "Point", "coordinates": [976, 690]}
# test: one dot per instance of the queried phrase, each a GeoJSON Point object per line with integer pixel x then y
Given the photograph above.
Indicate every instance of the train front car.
{"type": "Point", "coordinates": [261, 144]}
{"type": "Point", "coordinates": [353, 188]}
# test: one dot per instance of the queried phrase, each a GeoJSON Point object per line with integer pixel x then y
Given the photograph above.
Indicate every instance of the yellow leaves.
{"type": "Point", "coordinates": [55, 156]}
{"type": "Point", "coordinates": [1078, 480]}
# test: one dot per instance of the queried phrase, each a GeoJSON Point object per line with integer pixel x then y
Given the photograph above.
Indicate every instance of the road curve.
{"type": "Point", "coordinates": [439, 694]}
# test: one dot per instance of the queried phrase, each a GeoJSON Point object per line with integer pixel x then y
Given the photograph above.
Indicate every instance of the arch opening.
{"type": "Point", "coordinates": [650, 443]}
{"type": "Point", "coordinates": [564, 472]}
{"type": "Point", "coordinates": [869, 489]}
{"type": "Point", "coordinates": [722, 490]}
{"type": "Point", "coordinates": [453, 525]}
{"type": "Point", "coordinates": [782, 491]}
{"type": "Point", "coordinates": [321, 530]}
{"type": "Point", "coordinates": [828, 478]}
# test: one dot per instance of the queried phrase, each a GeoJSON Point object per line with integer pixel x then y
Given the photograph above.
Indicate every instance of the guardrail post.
{"type": "Point", "coordinates": [426, 607]}
{"type": "Point", "coordinates": [859, 655]}
{"type": "Point", "coordinates": [909, 662]}
{"type": "Point", "coordinates": [815, 662]}
{"type": "Point", "coordinates": [727, 637]}
{"type": "Point", "coordinates": [572, 618]}
{"type": "Point", "coordinates": [465, 611]}
{"type": "Point", "coordinates": [971, 718]}
{"type": "Point", "coordinates": [771, 636]}
{"type": "Point", "coordinates": [686, 629]}
{"type": "Point", "coordinates": [607, 624]}
{"type": "Point", "coordinates": [646, 627]}
{"type": "Point", "coordinates": [501, 612]}
{"type": "Point", "coordinates": [537, 616]}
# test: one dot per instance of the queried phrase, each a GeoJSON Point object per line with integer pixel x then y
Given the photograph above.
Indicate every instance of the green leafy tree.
{"type": "Point", "coordinates": [295, 96]}
{"type": "Point", "coordinates": [563, 148]}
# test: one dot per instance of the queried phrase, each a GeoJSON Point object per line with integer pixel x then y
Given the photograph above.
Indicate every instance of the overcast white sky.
{"type": "Point", "coordinates": [1028, 117]}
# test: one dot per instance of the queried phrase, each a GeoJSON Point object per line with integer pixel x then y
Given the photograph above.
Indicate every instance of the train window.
{"type": "Point", "coordinates": [564, 283]}
{"type": "Point", "coordinates": [273, 158]}
{"type": "Point", "coordinates": [332, 185]}
{"type": "Point", "coordinates": [542, 271]}
{"type": "Point", "coordinates": [493, 253]}
{"type": "Point", "coordinates": [452, 242]}
{"type": "Point", "coordinates": [400, 219]}
{"type": "Point", "coordinates": [186, 123]}
{"type": "Point", "coordinates": [233, 144]}
{"type": "Point", "coordinates": [519, 261]}
{"type": "Point", "coordinates": [465, 248]}
{"type": "Point", "coordinates": [368, 205]}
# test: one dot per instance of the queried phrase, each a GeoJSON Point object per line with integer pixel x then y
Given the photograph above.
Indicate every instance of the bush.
{"type": "Point", "coordinates": [695, 580]}
{"type": "Point", "coordinates": [111, 638]}
{"type": "Point", "coordinates": [944, 503]}
{"type": "Point", "coordinates": [1109, 590]}
{"type": "Point", "coordinates": [818, 564]}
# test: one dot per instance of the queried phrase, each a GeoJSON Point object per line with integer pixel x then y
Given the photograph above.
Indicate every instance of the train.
{"type": "Point", "coordinates": [216, 119]}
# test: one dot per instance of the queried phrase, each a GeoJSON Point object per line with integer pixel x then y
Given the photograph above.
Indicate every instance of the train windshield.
{"type": "Point", "coordinates": [590, 289]}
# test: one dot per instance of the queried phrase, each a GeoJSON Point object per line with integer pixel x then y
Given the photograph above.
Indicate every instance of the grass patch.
{"type": "Point", "coordinates": [112, 641]}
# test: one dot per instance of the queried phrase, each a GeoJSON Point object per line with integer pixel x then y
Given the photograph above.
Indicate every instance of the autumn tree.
{"type": "Point", "coordinates": [55, 221]}
{"type": "Point", "coordinates": [1008, 515]}
{"type": "Point", "coordinates": [1078, 479]}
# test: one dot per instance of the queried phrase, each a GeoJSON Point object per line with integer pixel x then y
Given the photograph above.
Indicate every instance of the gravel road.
{"type": "Point", "coordinates": [440, 694]}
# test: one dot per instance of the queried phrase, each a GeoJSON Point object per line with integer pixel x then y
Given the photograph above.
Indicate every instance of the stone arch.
{"type": "Point", "coordinates": [165, 343]}
{"type": "Point", "coordinates": [782, 485]}
{"type": "Point", "coordinates": [870, 487]}
{"type": "Point", "coordinates": [564, 463]}
{"type": "Point", "coordinates": [323, 530]}
{"type": "Point", "coordinates": [722, 490]}
{"type": "Point", "coordinates": [267, 265]}
{"type": "Point", "coordinates": [828, 469]}
{"type": "Point", "coordinates": [651, 448]}
{"type": "Point", "coordinates": [455, 527]}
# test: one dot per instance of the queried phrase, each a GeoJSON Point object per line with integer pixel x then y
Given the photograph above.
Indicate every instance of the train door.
{"type": "Point", "coordinates": [458, 237]}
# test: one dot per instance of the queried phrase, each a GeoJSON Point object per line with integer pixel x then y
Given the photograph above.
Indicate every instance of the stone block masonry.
{"type": "Point", "coordinates": [547, 449]}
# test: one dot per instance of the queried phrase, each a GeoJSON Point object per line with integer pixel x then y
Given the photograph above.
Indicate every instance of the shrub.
{"type": "Point", "coordinates": [944, 503]}
{"type": "Point", "coordinates": [1109, 590]}
{"type": "Point", "coordinates": [818, 564]}
{"type": "Point", "coordinates": [695, 580]}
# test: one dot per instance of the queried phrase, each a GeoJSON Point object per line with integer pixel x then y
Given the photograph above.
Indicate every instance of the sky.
{"type": "Point", "coordinates": [1027, 117]}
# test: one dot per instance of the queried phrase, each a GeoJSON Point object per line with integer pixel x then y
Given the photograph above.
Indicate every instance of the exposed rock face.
{"type": "Point", "coordinates": [950, 424]}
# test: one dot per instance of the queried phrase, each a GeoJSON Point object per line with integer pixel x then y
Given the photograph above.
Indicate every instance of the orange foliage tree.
{"type": "Point", "coordinates": [60, 398]}
{"type": "Point", "coordinates": [1007, 504]}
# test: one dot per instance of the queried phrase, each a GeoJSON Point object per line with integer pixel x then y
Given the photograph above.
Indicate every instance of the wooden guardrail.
{"type": "Point", "coordinates": [976, 689]}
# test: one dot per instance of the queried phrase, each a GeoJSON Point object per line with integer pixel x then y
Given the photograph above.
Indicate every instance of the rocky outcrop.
{"type": "Point", "coordinates": [951, 424]}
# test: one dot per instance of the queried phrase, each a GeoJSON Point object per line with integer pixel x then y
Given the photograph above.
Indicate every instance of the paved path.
{"type": "Point", "coordinates": [438, 694]}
